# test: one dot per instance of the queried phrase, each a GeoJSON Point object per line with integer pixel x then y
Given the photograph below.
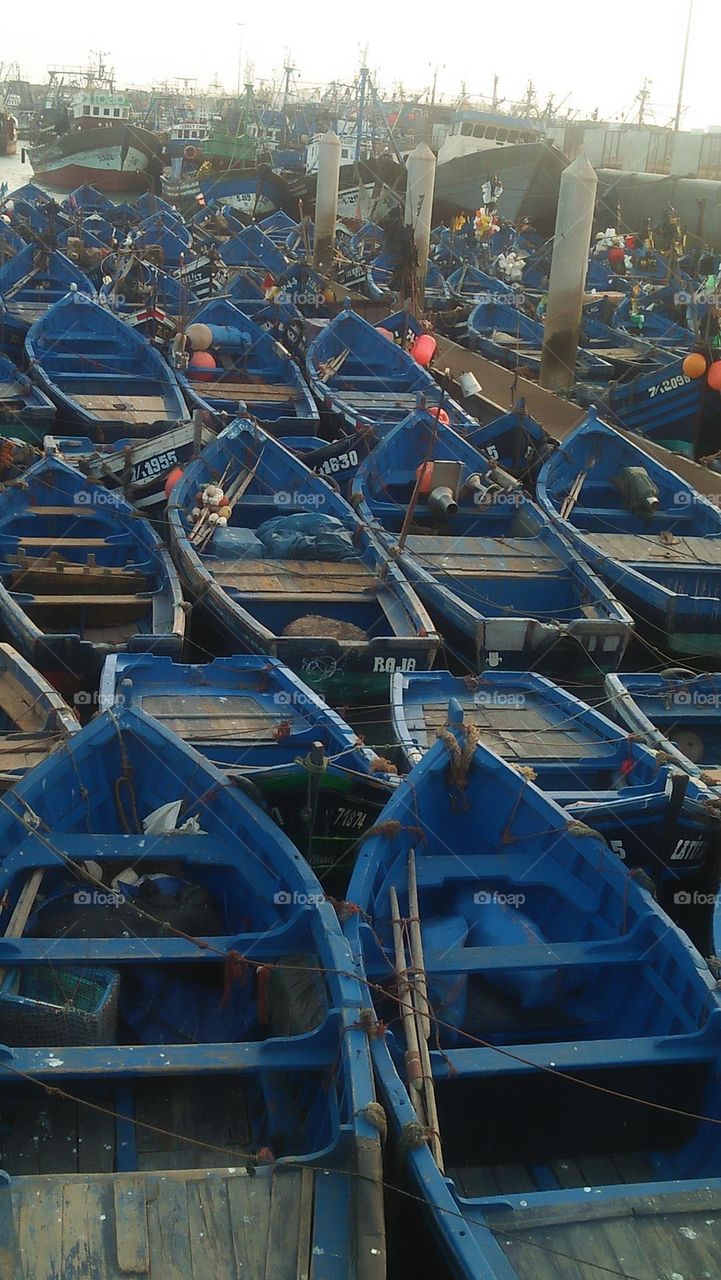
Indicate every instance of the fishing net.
{"type": "Point", "coordinates": [313, 624]}
{"type": "Point", "coordinates": [49, 1006]}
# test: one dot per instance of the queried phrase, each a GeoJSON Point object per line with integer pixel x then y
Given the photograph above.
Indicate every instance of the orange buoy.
{"type": "Point", "coordinates": [174, 475]}
{"type": "Point", "coordinates": [694, 366]}
{"type": "Point", "coordinates": [424, 474]}
{"type": "Point", "coordinates": [190, 152]}
{"type": "Point", "coordinates": [440, 414]}
{"type": "Point", "coordinates": [424, 349]}
{"type": "Point", "coordinates": [202, 363]}
{"type": "Point", "coordinates": [713, 377]}
{"type": "Point", "coordinates": [386, 332]}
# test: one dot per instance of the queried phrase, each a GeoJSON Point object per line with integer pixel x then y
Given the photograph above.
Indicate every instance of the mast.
{"type": "Point", "coordinates": [679, 104]}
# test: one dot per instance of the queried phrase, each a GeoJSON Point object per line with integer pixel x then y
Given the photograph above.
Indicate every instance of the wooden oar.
{"type": "Point", "coordinates": [573, 495]}
{"type": "Point", "coordinates": [422, 1010]}
{"type": "Point", "coordinates": [22, 909]}
{"type": "Point", "coordinates": [414, 1072]}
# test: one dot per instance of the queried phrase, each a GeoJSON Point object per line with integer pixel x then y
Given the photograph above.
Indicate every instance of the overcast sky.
{"type": "Point", "coordinates": [598, 55]}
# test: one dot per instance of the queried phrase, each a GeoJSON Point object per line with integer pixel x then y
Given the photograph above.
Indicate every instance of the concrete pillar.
{"type": "Point", "coordinates": [326, 200]}
{"type": "Point", "coordinates": [569, 263]}
{"type": "Point", "coordinates": [420, 185]}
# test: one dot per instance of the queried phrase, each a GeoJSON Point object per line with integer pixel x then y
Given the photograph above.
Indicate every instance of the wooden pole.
{"type": "Point", "coordinates": [414, 1073]}
{"type": "Point", "coordinates": [569, 264]}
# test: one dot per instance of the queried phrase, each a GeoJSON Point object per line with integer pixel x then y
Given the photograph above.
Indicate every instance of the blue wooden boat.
{"type": "Point", "coordinates": [102, 376]}
{"type": "Point", "coordinates": [568, 1083]}
{"type": "Point", "coordinates": [214, 223]}
{"type": "Point", "coordinates": [34, 718]}
{"type": "Point", "coordinates": [381, 274]}
{"type": "Point", "coordinates": [252, 372]}
{"type": "Point", "coordinates": [665, 405]}
{"type": "Point", "coordinates": [676, 712]}
{"type": "Point", "coordinates": [502, 586]}
{"type": "Point", "coordinates": [646, 318]}
{"type": "Point", "coordinates": [367, 242]}
{"type": "Point", "coordinates": [294, 574]}
{"type": "Point", "coordinates": [471, 285]}
{"type": "Point", "coordinates": [622, 351]}
{"type": "Point", "coordinates": [278, 226]}
{"type": "Point", "coordinates": [80, 575]}
{"type": "Point", "coordinates": [255, 720]}
{"type": "Point", "coordinates": [648, 812]}
{"type": "Point", "coordinates": [94, 231]}
{"type": "Point", "coordinates": [504, 334]}
{"type": "Point", "coordinates": [646, 532]}
{"type": "Point", "coordinates": [514, 441]}
{"type": "Point", "coordinates": [252, 248]}
{"type": "Point", "coordinates": [29, 284]}
{"type": "Point", "coordinates": [357, 372]}
{"type": "Point", "coordinates": [166, 239]}
{"type": "Point", "coordinates": [182, 986]}
{"type": "Point", "coordinates": [87, 199]}
{"type": "Point", "coordinates": [136, 467]}
{"type": "Point", "coordinates": [26, 413]}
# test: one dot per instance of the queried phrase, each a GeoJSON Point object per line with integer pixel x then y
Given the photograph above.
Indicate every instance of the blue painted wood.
{"type": "Point", "coordinates": [660, 553]}
{"type": "Point", "coordinates": [81, 349]}
{"type": "Point", "coordinates": [523, 1028]}
{"type": "Point", "coordinates": [78, 528]}
{"type": "Point", "coordinates": [486, 562]}
{"type": "Point", "coordinates": [600, 775]}
{"type": "Point", "coordinates": [392, 626]}
{"type": "Point", "coordinates": [303, 1086]}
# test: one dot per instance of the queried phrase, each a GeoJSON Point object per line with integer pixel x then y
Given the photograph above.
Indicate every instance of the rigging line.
{"type": "Point", "coordinates": [252, 1158]}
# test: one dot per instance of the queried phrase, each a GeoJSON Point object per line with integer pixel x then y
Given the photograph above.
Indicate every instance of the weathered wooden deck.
{"type": "Point", "coordinates": [192, 1224]}
{"type": "Point", "coordinates": [647, 1237]}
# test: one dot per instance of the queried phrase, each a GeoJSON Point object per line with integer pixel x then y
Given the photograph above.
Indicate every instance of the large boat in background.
{"type": "Point", "coordinates": [100, 146]}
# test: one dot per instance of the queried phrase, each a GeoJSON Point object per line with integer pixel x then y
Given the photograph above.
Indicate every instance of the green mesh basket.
{"type": "Point", "coordinates": [54, 1006]}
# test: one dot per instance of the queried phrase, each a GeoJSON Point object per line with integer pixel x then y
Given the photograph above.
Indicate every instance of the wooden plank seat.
{"type": "Point", "coordinates": [404, 398]}
{"type": "Point", "coordinates": [317, 578]}
{"type": "Point", "coordinates": [643, 548]}
{"type": "Point", "coordinates": [52, 541]}
{"type": "Point", "coordinates": [137, 408]}
{"type": "Point", "coordinates": [208, 717]}
{"type": "Point", "coordinates": [485, 557]}
{"type": "Point", "coordinates": [246, 390]}
{"type": "Point", "coordinates": [181, 1224]}
{"type": "Point", "coordinates": [101, 609]}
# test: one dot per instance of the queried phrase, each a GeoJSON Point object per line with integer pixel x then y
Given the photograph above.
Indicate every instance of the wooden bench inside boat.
{"type": "Point", "coordinates": [182, 1224]}
{"type": "Point", "coordinates": [137, 408]}
{"type": "Point", "coordinates": [289, 579]}
{"type": "Point", "coordinates": [260, 391]}
{"type": "Point", "coordinates": [100, 609]}
{"type": "Point", "coordinates": [365, 399]}
{"type": "Point", "coordinates": [207, 716]}
{"type": "Point", "coordinates": [485, 557]}
{"type": "Point", "coordinates": [35, 572]}
{"type": "Point", "coordinates": [640, 548]}
{"type": "Point", "coordinates": [516, 733]}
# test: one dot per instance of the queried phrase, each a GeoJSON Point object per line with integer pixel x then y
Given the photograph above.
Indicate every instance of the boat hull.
{"type": "Point", "coordinates": [115, 162]}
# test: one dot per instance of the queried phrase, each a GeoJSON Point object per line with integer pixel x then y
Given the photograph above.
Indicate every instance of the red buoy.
{"type": "Point", "coordinates": [424, 474]}
{"type": "Point", "coordinates": [386, 332]}
{"type": "Point", "coordinates": [424, 349]}
{"type": "Point", "coordinates": [713, 377]}
{"type": "Point", "coordinates": [202, 363]}
{"type": "Point", "coordinates": [173, 476]}
{"type": "Point", "coordinates": [440, 414]}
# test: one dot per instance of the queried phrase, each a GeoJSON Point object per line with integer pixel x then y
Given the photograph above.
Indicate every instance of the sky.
{"type": "Point", "coordinates": [593, 57]}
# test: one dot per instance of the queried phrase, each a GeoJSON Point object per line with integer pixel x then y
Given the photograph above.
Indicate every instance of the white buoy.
{"type": "Point", "coordinates": [326, 200]}
{"type": "Point", "coordinates": [420, 185]}
{"type": "Point", "coordinates": [569, 263]}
